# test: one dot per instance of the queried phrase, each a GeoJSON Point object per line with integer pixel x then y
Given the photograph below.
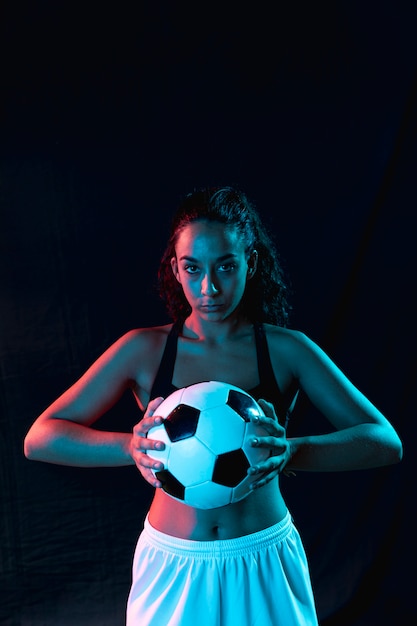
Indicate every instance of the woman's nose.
{"type": "Point", "coordinates": [208, 286]}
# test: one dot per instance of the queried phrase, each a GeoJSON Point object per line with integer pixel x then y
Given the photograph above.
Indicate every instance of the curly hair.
{"type": "Point", "coordinates": [266, 294]}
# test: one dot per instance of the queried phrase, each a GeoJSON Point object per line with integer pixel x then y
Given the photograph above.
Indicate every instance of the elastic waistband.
{"type": "Point", "coordinates": [219, 547]}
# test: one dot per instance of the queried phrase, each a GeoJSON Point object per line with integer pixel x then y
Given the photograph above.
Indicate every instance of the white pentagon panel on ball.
{"type": "Point", "coordinates": [221, 429]}
{"type": "Point", "coordinates": [169, 403]}
{"type": "Point", "coordinates": [206, 394]}
{"type": "Point", "coordinates": [208, 495]}
{"type": "Point", "coordinates": [190, 461]}
{"type": "Point", "coordinates": [158, 433]}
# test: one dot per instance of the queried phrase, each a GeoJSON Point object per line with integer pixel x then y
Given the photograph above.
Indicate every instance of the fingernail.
{"type": "Point", "coordinates": [160, 445]}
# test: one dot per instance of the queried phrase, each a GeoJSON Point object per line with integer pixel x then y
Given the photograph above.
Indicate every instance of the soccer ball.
{"type": "Point", "coordinates": [207, 431]}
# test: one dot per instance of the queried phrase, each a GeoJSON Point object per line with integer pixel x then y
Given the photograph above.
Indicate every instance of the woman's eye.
{"type": "Point", "coordinates": [227, 267]}
{"type": "Point", "coordinates": [191, 269]}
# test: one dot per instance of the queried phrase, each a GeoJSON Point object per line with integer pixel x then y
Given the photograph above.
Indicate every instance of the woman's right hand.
{"type": "Point", "coordinates": [139, 443]}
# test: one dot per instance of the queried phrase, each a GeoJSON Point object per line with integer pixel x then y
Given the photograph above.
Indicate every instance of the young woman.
{"type": "Point", "coordinates": [223, 285]}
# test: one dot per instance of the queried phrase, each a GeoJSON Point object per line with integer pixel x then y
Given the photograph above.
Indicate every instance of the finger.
{"type": "Point", "coordinates": [148, 467]}
{"type": "Point", "coordinates": [267, 407]}
{"type": "Point", "coordinates": [144, 460]}
{"type": "Point", "coordinates": [275, 462]}
{"type": "Point", "coordinates": [153, 405]}
{"type": "Point", "coordinates": [140, 440]}
{"type": "Point", "coordinates": [267, 470]}
{"type": "Point", "coordinates": [270, 424]}
{"type": "Point", "coordinates": [265, 479]}
{"type": "Point", "coordinates": [142, 445]}
{"type": "Point", "coordinates": [143, 427]}
{"type": "Point", "coordinates": [273, 465]}
{"type": "Point", "coordinates": [150, 477]}
{"type": "Point", "coordinates": [272, 442]}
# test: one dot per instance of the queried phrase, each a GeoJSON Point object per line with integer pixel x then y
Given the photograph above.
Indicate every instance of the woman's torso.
{"type": "Point", "coordinates": [241, 361]}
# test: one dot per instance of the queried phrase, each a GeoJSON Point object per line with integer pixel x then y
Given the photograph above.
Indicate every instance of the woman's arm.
{"type": "Point", "coordinates": [63, 434]}
{"type": "Point", "coordinates": [360, 436]}
{"type": "Point", "coordinates": [363, 437]}
{"type": "Point", "coordinates": [64, 442]}
{"type": "Point", "coordinates": [354, 447]}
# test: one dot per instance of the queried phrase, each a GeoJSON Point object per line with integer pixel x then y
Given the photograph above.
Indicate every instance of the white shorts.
{"type": "Point", "coordinates": [261, 579]}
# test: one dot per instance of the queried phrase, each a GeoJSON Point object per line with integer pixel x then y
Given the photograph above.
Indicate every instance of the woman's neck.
{"type": "Point", "coordinates": [216, 332]}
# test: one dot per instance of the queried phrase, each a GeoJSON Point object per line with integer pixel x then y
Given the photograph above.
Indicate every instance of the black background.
{"type": "Point", "coordinates": [108, 116]}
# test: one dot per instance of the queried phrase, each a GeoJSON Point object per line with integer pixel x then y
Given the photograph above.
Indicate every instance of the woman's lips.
{"type": "Point", "coordinates": [211, 307]}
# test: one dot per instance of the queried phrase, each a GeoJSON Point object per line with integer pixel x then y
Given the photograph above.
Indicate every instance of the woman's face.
{"type": "Point", "coordinates": [212, 266]}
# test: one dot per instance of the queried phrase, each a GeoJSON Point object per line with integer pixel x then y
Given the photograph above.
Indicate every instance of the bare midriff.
{"type": "Point", "coordinates": [261, 509]}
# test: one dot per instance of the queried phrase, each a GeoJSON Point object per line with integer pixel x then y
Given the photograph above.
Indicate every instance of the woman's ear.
{"type": "Point", "coordinates": [174, 267]}
{"type": "Point", "coordinates": [252, 263]}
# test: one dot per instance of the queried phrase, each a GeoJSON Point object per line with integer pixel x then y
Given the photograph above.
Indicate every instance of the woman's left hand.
{"type": "Point", "coordinates": [276, 440]}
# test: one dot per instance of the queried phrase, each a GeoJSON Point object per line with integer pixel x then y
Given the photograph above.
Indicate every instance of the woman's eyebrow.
{"type": "Point", "coordinates": [224, 257]}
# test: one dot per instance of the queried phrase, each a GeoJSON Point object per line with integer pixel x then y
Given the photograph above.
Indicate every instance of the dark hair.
{"type": "Point", "coordinates": [265, 297]}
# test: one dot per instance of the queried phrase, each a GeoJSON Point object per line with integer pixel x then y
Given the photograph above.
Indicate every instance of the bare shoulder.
{"type": "Point", "coordinates": [141, 351]}
{"type": "Point", "coordinates": [141, 340]}
{"type": "Point", "coordinates": [286, 340]}
{"type": "Point", "coordinates": [130, 354]}
{"type": "Point", "coordinates": [296, 350]}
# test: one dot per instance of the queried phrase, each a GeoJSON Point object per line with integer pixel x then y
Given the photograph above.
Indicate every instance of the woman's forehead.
{"type": "Point", "coordinates": [213, 238]}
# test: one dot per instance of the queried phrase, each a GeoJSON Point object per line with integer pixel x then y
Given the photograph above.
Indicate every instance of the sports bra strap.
{"type": "Point", "coordinates": [267, 376]}
{"type": "Point", "coordinates": [165, 372]}
{"type": "Point", "coordinates": [265, 370]}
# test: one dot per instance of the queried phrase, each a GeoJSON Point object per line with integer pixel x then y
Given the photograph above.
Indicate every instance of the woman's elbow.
{"type": "Point", "coordinates": [36, 443]}
{"type": "Point", "coordinates": [388, 447]}
{"type": "Point", "coordinates": [398, 451]}
{"type": "Point", "coordinates": [394, 449]}
{"type": "Point", "coordinates": [30, 448]}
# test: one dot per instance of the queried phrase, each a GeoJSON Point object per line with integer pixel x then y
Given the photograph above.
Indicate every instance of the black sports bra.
{"type": "Point", "coordinates": [267, 388]}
